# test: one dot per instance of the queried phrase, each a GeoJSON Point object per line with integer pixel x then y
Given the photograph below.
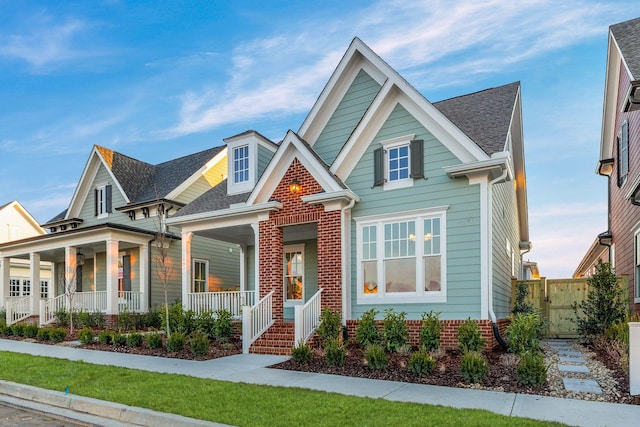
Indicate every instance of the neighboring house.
{"type": "Point", "coordinates": [620, 153]}
{"type": "Point", "coordinates": [380, 200]}
{"type": "Point", "coordinates": [15, 224]}
{"type": "Point", "coordinates": [103, 247]}
{"type": "Point", "coordinates": [597, 253]}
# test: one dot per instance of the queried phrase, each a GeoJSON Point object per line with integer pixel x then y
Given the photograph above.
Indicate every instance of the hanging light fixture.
{"type": "Point", "coordinates": [294, 186]}
{"type": "Point", "coordinates": [80, 258]}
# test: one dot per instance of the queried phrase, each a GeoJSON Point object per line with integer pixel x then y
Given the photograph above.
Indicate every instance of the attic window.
{"type": "Point", "coordinates": [102, 201]}
{"type": "Point", "coordinates": [398, 162]}
{"type": "Point", "coordinates": [241, 164]}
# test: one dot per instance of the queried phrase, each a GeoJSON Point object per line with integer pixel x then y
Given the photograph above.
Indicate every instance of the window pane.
{"type": "Point", "coordinates": [370, 276]}
{"type": "Point", "coordinates": [293, 271]}
{"type": "Point", "coordinates": [400, 275]}
{"type": "Point", "coordinates": [432, 277]}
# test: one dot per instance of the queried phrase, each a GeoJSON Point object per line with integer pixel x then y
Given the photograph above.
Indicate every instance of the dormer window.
{"type": "Point", "coordinates": [102, 201]}
{"type": "Point", "coordinates": [241, 164]}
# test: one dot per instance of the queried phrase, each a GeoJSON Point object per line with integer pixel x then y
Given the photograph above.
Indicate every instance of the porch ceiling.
{"type": "Point", "coordinates": [239, 234]}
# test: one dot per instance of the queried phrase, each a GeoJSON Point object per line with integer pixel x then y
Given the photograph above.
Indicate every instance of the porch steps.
{"type": "Point", "coordinates": [278, 340]}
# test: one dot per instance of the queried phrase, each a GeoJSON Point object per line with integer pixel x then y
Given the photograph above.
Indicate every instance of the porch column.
{"type": "Point", "coordinates": [34, 277]}
{"type": "Point", "coordinates": [69, 278]}
{"type": "Point", "coordinates": [256, 259]}
{"type": "Point", "coordinates": [243, 268]}
{"type": "Point", "coordinates": [112, 276]}
{"type": "Point", "coordinates": [187, 236]}
{"type": "Point", "coordinates": [5, 277]}
{"type": "Point", "coordinates": [143, 274]}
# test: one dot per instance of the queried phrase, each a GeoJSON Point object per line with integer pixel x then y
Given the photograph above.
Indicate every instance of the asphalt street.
{"type": "Point", "coordinates": [15, 416]}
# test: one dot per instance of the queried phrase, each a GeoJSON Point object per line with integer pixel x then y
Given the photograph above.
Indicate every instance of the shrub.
{"type": "Point", "coordinates": [154, 340]}
{"type": "Point", "coordinates": [421, 363]}
{"type": "Point", "coordinates": [104, 337]}
{"type": "Point", "coordinates": [43, 334]}
{"type": "Point", "coordinates": [330, 325]}
{"type": "Point", "coordinates": [367, 330]}
{"type": "Point", "coordinates": [469, 337]}
{"type": "Point", "coordinates": [531, 369]}
{"type": "Point", "coordinates": [606, 304]}
{"type": "Point", "coordinates": [4, 329]}
{"type": "Point", "coordinates": [85, 336]}
{"type": "Point", "coordinates": [57, 334]}
{"type": "Point", "coordinates": [134, 339]}
{"type": "Point", "coordinates": [17, 329]}
{"type": "Point", "coordinates": [524, 332]}
{"type": "Point", "coordinates": [474, 367]}
{"type": "Point", "coordinates": [222, 325]}
{"type": "Point", "coordinates": [199, 343]}
{"type": "Point", "coordinates": [175, 342]}
{"type": "Point", "coordinates": [118, 339]}
{"type": "Point", "coordinates": [31, 330]}
{"type": "Point", "coordinates": [301, 353]}
{"type": "Point", "coordinates": [205, 322]}
{"type": "Point", "coordinates": [395, 329]}
{"type": "Point", "coordinates": [521, 306]}
{"type": "Point", "coordinates": [3, 316]}
{"type": "Point", "coordinates": [62, 317]}
{"type": "Point", "coordinates": [430, 331]}
{"type": "Point", "coordinates": [335, 354]}
{"type": "Point", "coordinates": [376, 357]}
{"type": "Point", "coordinates": [179, 320]}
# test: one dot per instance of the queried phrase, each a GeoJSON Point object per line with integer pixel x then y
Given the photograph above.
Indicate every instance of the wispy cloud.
{"type": "Point", "coordinates": [448, 45]}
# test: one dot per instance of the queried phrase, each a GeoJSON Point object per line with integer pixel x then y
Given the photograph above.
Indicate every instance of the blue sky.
{"type": "Point", "coordinates": [158, 80]}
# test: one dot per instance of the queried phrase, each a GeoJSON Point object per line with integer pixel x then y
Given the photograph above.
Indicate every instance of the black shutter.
{"type": "Point", "coordinates": [96, 196]}
{"type": "Point", "coordinates": [107, 191]}
{"type": "Point", "coordinates": [416, 148]}
{"type": "Point", "coordinates": [126, 273]}
{"type": "Point", "coordinates": [79, 278]}
{"type": "Point", "coordinates": [378, 167]}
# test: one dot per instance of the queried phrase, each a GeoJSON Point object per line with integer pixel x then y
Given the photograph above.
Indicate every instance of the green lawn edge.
{"type": "Point", "coordinates": [235, 403]}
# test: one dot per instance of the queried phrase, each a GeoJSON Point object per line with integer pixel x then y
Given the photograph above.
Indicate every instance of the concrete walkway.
{"type": "Point", "coordinates": [252, 369]}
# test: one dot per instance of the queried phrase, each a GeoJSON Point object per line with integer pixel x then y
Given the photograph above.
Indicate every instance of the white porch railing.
{"type": "Point", "coordinates": [256, 320]}
{"type": "Point", "coordinates": [90, 301]}
{"type": "Point", "coordinates": [129, 301]}
{"type": "Point", "coordinates": [231, 301]}
{"type": "Point", "coordinates": [307, 318]}
{"type": "Point", "coordinates": [18, 308]}
{"type": "Point", "coordinates": [49, 307]}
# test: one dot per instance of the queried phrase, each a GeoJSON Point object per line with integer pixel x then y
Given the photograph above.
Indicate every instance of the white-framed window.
{"type": "Point", "coordinates": [44, 289]}
{"type": "Point", "coordinates": [14, 288]}
{"type": "Point", "coordinates": [199, 274]}
{"type": "Point", "coordinates": [397, 163]}
{"type": "Point", "coordinates": [241, 164]}
{"type": "Point", "coordinates": [402, 258]}
{"type": "Point", "coordinates": [102, 194]}
{"type": "Point", "coordinates": [293, 259]}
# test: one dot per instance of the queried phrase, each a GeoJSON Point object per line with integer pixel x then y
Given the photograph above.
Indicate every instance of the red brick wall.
{"type": "Point", "coordinates": [295, 211]}
{"type": "Point", "coordinates": [448, 337]}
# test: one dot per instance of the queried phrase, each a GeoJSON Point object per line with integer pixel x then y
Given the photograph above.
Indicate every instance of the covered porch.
{"type": "Point", "coordinates": [97, 269]}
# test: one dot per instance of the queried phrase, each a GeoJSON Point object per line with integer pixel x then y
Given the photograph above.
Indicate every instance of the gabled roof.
{"type": "Point", "coordinates": [627, 37]}
{"type": "Point", "coordinates": [28, 218]}
{"type": "Point", "coordinates": [484, 116]}
{"type": "Point", "coordinates": [139, 181]}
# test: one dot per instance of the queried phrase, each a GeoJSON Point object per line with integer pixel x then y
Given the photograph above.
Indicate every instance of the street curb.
{"type": "Point", "coordinates": [57, 401]}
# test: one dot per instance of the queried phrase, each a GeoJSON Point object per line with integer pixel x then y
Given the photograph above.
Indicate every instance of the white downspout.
{"type": "Point", "coordinates": [344, 247]}
{"type": "Point", "coordinates": [505, 172]}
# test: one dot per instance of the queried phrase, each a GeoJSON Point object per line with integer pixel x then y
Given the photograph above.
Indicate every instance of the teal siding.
{"type": "Point", "coordinates": [462, 218]}
{"type": "Point", "coordinates": [348, 114]}
{"type": "Point", "coordinates": [264, 157]}
{"type": "Point", "coordinates": [505, 228]}
{"type": "Point", "coordinates": [224, 262]}
{"type": "Point", "coordinates": [87, 212]}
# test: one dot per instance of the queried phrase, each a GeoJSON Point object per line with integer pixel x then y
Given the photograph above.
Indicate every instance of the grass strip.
{"type": "Point", "coordinates": [235, 403]}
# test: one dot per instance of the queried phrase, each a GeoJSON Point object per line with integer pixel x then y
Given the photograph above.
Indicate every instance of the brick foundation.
{"type": "Point", "coordinates": [448, 337]}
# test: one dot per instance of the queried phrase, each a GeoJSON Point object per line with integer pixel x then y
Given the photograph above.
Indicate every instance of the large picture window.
{"type": "Point", "coordinates": [401, 258]}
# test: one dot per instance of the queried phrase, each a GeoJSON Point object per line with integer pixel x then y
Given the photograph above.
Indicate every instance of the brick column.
{"type": "Point", "coordinates": [271, 274]}
{"type": "Point", "coordinates": [330, 260]}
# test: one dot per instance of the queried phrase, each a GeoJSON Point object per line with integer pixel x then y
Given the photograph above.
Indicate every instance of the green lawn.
{"type": "Point", "coordinates": [231, 403]}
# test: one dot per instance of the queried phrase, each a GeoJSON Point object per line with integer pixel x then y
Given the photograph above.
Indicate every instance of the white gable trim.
{"type": "Point", "coordinates": [358, 56]}
{"type": "Point", "coordinates": [193, 178]}
{"type": "Point", "coordinates": [422, 110]}
{"type": "Point", "coordinates": [609, 109]}
{"type": "Point", "coordinates": [290, 148]}
{"type": "Point", "coordinates": [84, 186]}
{"type": "Point", "coordinates": [35, 225]}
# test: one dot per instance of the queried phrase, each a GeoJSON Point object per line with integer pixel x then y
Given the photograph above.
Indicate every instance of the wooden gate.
{"type": "Point", "coordinates": [554, 298]}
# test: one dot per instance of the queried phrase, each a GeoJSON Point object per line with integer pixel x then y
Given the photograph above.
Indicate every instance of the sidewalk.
{"type": "Point", "coordinates": [251, 368]}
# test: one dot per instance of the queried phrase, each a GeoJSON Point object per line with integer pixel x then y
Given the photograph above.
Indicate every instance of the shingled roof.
{"type": "Point", "coordinates": [627, 36]}
{"type": "Point", "coordinates": [483, 116]}
{"type": "Point", "coordinates": [214, 199]}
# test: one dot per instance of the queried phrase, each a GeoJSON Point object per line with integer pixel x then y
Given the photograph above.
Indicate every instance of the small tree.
{"type": "Point", "coordinates": [68, 280]}
{"type": "Point", "coordinates": [161, 256]}
{"type": "Point", "coordinates": [521, 306]}
{"type": "Point", "coordinates": [607, 303]}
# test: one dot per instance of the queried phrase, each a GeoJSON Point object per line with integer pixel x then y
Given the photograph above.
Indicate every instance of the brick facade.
{"type": "Point", "coordinates": [295, 211]}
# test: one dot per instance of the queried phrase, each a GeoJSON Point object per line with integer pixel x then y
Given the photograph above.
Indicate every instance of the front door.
{"type": "Point", "coordinates": [293, 274]}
